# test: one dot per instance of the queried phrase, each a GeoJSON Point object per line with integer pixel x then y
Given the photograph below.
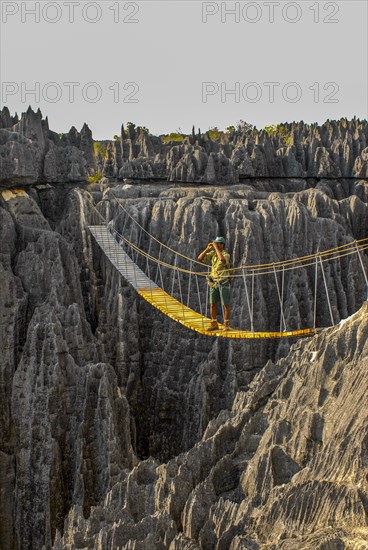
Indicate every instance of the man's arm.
{"type": "Point", "coordinates": [205, 251]}
{"type": "Point", "coordinates": [219, 254]}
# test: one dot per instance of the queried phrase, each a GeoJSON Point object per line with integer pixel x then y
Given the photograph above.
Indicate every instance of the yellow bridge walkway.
{"type": "Point", "coordinates": [163, 301]}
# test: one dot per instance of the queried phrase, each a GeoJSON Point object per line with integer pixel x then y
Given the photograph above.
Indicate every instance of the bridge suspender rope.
{"type": "Point", "coordinates": [248, 304]}
{"type": "Point", "coordinates": [261, 267]}
{"type": "Point", "coordinates": [362, 265]}
{"type": "Point", "coordinates": [120, 254]}
{"type": "Point", "coordinates": [189, 286]}
{"type": "Point", "coordinates": [326, 289]}
{"type": "Point", "coordinates": [158, 264]}
{"type": "Point", "coordinates": [315, 294]}
{"type": "Point", "coordinates": [282, 298]}
{"type": "Point", "coordinates": [282, 317]}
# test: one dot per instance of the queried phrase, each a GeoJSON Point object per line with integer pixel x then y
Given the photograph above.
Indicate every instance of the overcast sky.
{"type": "Point", "coordinates": [317, 64]}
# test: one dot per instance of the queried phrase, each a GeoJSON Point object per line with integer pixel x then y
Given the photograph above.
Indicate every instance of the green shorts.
{"type": "Point", "coordinates": [220, 293]}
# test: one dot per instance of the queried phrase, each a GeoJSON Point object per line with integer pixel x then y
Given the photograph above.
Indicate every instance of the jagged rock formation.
{"type": "Point", "coordinates": [94, 382]}
{"type": "Point", "coordinates": [335, 149]}
{"type": "Point", "coordinates": [30, 152]}
{"type": "Point", "coordinates": [54, 387]}
{"type": "Point", "coordinates": [285, 468]}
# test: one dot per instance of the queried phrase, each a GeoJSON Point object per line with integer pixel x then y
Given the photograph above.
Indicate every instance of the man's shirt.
{"type": "Point", "coordinates": [219, 270]}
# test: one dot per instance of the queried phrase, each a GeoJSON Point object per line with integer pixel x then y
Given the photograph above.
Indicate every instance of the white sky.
{"type": "Point", "coordinates": [170, 52]}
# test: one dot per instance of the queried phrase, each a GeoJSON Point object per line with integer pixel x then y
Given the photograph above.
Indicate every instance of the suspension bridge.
{"type": "Point", "coordinates": [182, 293]}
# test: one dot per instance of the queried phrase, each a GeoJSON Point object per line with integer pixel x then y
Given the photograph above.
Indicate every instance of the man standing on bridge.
{"type": "Point", "coordinates": [219, 281]}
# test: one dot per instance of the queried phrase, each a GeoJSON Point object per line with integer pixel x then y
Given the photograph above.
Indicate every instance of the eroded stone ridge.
{"type": "Point", "coordinates": [30, 152]}
{"type": "Point", "coordinates": [121, 429]}
{"type": "Point", "coordinates": [286, 468]}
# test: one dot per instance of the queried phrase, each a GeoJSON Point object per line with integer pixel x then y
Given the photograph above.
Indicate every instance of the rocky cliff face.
{"type": "Point", "coordinates": [120, 429]}
{"type": "Point", "coordinates": [335, 149]}
{"type": "Point", "coordinates": [285, 468]}
{"type": "Point", "coordinates": [30, 152]}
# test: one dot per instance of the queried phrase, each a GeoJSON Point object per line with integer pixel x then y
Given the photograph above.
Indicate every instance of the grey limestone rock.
{"type": "Point", "coordinates": [219, 170]}
{"type": "Point", "coordinates": [30, 152]}
{"type": "Point", "coordinates": [361, 164]}
{"type": "Point", "coordinates": [287, 467]}
{"type": "Point", "coordinates": [121, 429]}
{"type": "Point", "coordinates": [19, 159]}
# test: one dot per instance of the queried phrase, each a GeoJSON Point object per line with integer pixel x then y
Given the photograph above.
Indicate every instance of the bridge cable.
{"type": "Point", "coordinates": [258, 267]}
{"type": "Point", "coordinates": [252, 300]}
{"type": "Point", "coordinates": [207, 295]}
{"type": "Point", "coordinates": [281, 308]}
{"type": "Point", "coordinates": [282, 298]}
{"type": "Point", "coordinates": [327, 295]}
{"type": "Point", "coordinates": [363, 268]}
{"type": "Point", "coordinates": [248, 303]}
{"type": "Point", "coordinates": [255, 267]}
{"type": "Point", "coordinates": [154, 238]}
{"type": "Point", "coordinates": [345, 250]}
{"type": "Point", "coordinates": [315, 293]}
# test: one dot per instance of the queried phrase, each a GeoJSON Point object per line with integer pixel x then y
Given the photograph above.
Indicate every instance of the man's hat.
{"type": "Point", "coordinates": [219, 240]}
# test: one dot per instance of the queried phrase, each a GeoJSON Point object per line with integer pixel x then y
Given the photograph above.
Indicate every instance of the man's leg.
{"type": "Point", "coordinates": [227, 313]}
{"type": "Point", "coordinates": [225, 299]}
{"type": "Point", "coordinates": [213, 308]}
{"type": "Point", "coordinates": [214, 298]}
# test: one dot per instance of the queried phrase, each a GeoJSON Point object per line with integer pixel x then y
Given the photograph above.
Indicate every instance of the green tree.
{"type": "Point", "coordinates": [214, 133]}
{"type": "Point", "coordinates": [174, 136]}
{"type": "Point", "coordinates": [278, 130]}
{"type": "Point", "coordinates": [100, 147]}
{"type": "Point", "coordinates": [271, 130]}
{"type": "Point", "coordinates": [96, 177]}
